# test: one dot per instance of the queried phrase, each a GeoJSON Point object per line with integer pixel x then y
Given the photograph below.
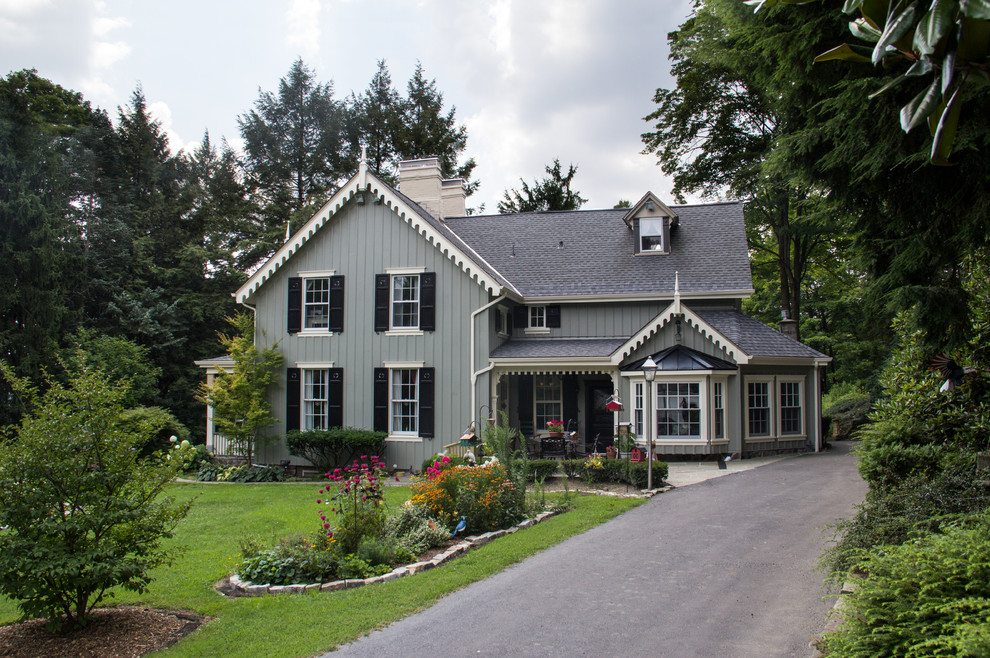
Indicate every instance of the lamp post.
{"type": "Point", "coordinates": [649, 369]}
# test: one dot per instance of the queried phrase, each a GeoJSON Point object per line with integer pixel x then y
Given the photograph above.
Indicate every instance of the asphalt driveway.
{"type": "Point", "coordinates": [724, 567]}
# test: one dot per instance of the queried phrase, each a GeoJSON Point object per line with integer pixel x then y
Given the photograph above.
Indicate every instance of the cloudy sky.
{"type": "Point", "coordinates": [532, 80]}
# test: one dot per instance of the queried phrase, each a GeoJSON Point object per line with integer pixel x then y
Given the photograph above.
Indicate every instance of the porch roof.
{"type": "Point", "coordinates": [756, 338]}
{"type": "Point", "coordinates": [557, 348]}
{"type": "Point", "coordinates": [682, 358]}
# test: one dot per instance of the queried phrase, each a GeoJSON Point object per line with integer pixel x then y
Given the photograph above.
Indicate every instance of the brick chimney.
{"type": "Point", "coordinates": [420, 180]}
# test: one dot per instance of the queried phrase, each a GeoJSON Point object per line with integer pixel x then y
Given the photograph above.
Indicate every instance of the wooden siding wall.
{"type": "Point", "coordinates": [358, 243]}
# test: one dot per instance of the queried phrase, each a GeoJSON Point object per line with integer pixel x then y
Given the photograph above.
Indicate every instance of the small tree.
{"type": "Point", "coordinates": [80, 510]}
{"type": "Point", "coordinates": [239, 397]}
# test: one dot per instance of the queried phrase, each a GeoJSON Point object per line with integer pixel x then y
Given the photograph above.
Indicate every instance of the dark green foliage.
{"type": "Point", "coordinates": [337, 446]}
{"type": "Point", "coordinates": [413, 528]}
{"type": "Point", "coordinates": [82, 511]}
{"type": "Point", "coordinates": [541, 469]}
{"type": "Point", "coordinates": [638, 474]}
{"type": "Point", "coordinates": [243, 473]}
{"type": "Point", "coordinates": [927, 597]}
{"type": "Point", "coordinates": [386, 551]}
{"type": "Point", "coordinates": [122, 359]}
{"type": "Point", "coordinates": [847, 414]}
{"type": "Point", "coordinates": [616, 471]}
{"type": "Point", "coordinates": [293, 560]}
{"type": "Point", "coordinates": [551, 193]}
{"type": "Point", "coordinates": [165, 426]}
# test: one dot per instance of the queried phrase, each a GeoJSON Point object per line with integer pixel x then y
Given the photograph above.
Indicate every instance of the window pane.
{"type": "Point", "coordinates": [790, 407]}
{"type": "Point", "coordinates": [651, 234]}
{"type": "Point", "coordinates": [405, 301]}
{"type": "Point", "coordinates": [719, 405]}
{"type": "Point", "coordinates": [537, 317]}
{"type": "Point", "coordinates": [315, 399]}
{"type": "Point", "coordinates": [405, 402]}
{"type": "Point", "coordinates": [317, 304]}
{"type": "Point", "coordinates": [547, 397]}
{"type": "Point", "coordinates": [678, 410]}
{"type": "Point", "coordinates": [759, 408]}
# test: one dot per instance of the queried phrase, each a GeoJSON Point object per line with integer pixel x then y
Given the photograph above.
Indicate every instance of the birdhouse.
{"type": "Point", "coordinates": [614, 404]}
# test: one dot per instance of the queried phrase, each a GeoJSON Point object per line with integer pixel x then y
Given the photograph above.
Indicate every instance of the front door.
{"type": "Point", "coordinates": [600, 423]}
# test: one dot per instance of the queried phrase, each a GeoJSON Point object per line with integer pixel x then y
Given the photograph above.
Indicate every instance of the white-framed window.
{"type": "Point", "coordinates": [758, 410]}
{"type": "Point", "coordinates": [537, 317]}
{"type": "Point", "coordinates": [405, 301]}
{"type": "Point", "coordinates": [316, 303]}
{"type": "Point", "coordinates": [791, 408]}
{"type": "Point", "coordinates": [316, 398]}
{"type": "Point", "coordinates": [651, 234]}
{"type": "Point", "coordinates": [638, 401]}
{"type": "Point", "coordinates": [404, 401]}
{"type": "Point", "coordinates": [548, 403]}
{"type": "Point", "coordinates": [718, 410]}
{"type": "Point", "coordinates": [678, 410]}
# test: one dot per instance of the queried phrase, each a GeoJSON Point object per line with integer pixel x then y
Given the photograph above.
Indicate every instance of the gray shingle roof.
{"type": "Point", "coordinates": [557, 347]}
{"type": "Point", "coordinates": [756, 338]}
{"type": "Point", "coordinates": [708, 250]}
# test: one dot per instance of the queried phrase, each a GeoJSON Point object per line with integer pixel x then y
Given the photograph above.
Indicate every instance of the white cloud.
{"type": "Point", "coordinates": [103, 25]}
{"type": "Point", "coordinates": [303, 17]}
{"type": "Point", "coordinates": [22, 7]}
{"type": "Point", "coordinates": [106, 53]}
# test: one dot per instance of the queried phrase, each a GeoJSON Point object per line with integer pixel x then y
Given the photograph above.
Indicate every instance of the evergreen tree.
{"type": "Point", "coordinates": [377, 116]}
{"type": "Point", "coordinates": [428, 131]}
{"type": "Point", "coordinates": [295, 149]}
{"type": "Point", "coordinates": [551, 193]}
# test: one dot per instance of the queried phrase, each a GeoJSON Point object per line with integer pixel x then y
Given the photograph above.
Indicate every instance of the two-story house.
{"type": "Point", "coordinates": [396, 311]}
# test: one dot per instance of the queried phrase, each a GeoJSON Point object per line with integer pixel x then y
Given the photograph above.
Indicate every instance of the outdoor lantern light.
{"type": "Point", "coordinates": [649, 369]}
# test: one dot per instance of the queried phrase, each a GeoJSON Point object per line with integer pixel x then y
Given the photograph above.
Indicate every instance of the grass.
{"type": "Point", "coordinates": [308, 624]}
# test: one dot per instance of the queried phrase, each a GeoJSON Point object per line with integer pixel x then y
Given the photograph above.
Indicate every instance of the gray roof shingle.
{"type": "Point", "coordinates": [708, 250]}
{"type": "Point", "coordinates": [559, 347]}
{"type": "Point", "coordinates": [756, 338]}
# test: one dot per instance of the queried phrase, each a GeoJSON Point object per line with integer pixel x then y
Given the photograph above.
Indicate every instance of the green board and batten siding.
{"type": "Point", "coordinates": [359, 242]}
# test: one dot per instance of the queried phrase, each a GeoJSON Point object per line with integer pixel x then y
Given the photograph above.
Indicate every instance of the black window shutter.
{"type": "Point", "coordinates": [337, 304]}
{"type": "Point", "coordinates": [381, 303]}
{"type": "Point", "coordinates": [427, 301]}
{"type": "Point", "coordinates": [553, 316]}
{"type": "Point", "coordinates": [525, 410]}
{"type": "Point", "coordinates": [293, 391]}
{"type": "Point", "coordinates": [335, 398]}
{"type": "Point", "coordinates": [426, 397]}
{"type": "Point", "coordinates": [294, 312]}
{"type": "Point", "coordinates": [380, 422]}
{"type": "Point", "coordinates": [520, 317]}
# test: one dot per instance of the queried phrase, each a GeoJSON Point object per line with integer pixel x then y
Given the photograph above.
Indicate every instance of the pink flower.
{"type": "Point", "coordinates": [323, 518]}
{"type": "Point", "coordinates": [445, 459]}
{"type": "Point", "coordinates": [319, 501]}
{"type": "Point", "coordinates": [396, 478]}
{"type": "Point", "coordinates": [326, 526]}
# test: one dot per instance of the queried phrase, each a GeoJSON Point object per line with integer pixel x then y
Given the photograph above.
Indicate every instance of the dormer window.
{"type": "Point", "coordinates": [651, 234]}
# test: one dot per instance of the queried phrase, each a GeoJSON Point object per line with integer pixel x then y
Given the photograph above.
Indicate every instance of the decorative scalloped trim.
{"type": "Point", "coordinates": [706, 330]}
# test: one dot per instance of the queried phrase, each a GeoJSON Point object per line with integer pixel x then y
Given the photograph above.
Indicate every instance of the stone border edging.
{"type": "Point", "coordinates": [246, 588]}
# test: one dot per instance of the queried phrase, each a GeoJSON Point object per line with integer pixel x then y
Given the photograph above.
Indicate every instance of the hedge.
{"type": "Point", "coordinates": [328, 449]}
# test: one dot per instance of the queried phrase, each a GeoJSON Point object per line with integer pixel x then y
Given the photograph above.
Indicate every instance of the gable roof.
{"type": "Point", "coordinates": [681, 358]}
{"type": "Point", "coordinates": [586, 253]}
{"type": "Point", "coordinates": [755, 338]}
{"type": "Point", "coordinates": [364, 182]}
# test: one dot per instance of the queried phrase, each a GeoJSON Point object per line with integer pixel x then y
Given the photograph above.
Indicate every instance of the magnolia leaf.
{"type": "Point", "coordinates": [933, 26]}
{"type": "Point", "coordinates": [920, 107]}
{"type": "Point", "coordinates": [898, 24]}
{"type": "Point", "coordinates": [945, 134]}
{"type": "Point", "coordinates": [851, 6]}
{"type": "Point", "coordinates": [887, 87]}
{"type": "Point", "coordinates": [862, 29]}
{"type": "Point", "coordinates": [847, 53]}
{"type": "Point", "coordinates": [922, 67]}
{"type": "Point", "coordinates": [975, 9]}
{"type": "Point", "coordinates": [948, 70]}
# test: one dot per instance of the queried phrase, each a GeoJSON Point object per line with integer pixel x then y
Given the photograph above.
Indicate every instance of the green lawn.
{"type": "Point", "coordinates": [303, 625]}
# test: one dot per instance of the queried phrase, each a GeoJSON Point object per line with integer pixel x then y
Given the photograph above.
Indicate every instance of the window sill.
{"type": "Point", "coordinates": [529, 331]}
{"type": "Point", "coordinates": [403, 438]}
{"type": "Point", "coordinates": [404, 332]}
{"type": "Point", "coordinates": [310, 333]}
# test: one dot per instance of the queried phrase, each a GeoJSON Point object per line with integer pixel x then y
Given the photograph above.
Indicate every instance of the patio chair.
{"type": "Point", "coordinates": [553, 446]}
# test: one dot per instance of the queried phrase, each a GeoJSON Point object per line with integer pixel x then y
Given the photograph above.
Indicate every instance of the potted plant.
{"type": "Point", "coordinates": [555, 428]}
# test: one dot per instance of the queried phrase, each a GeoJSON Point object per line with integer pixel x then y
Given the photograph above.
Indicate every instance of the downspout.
{"type": "Point", "coordinates": [474, 374]}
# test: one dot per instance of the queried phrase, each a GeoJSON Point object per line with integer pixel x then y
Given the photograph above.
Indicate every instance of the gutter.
{"type": "Point", "coordinates": [476, 374]}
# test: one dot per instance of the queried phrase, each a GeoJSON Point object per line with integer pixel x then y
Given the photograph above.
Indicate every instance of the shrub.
{"type": "Point", "coordinates": [484, 495]}
{"type": "Point", "coordinates": [572, 468]}
{"type": "Point", "coordinates": [191, 458]}
{"type": "Point", "coordinates": [334, 447]}
{"type": "Point", "coordinates": [293, 560]}
{"type": "Point", "coordinates": [928, 597]}
{"type": "Point", "coordinates": [414, 529]}
{"type": "Point", "coordinates": [541, 469]}
{"type": "Point", "coordinates": [243, 473]}
{"type": "Point", "coordinates": [615, 470]}
{"type": "Point", "coordinates": [847, 414]}
{"type": "Point", "coordinates": [82, 511]}
{"type": "Point", "coordinates": [638, 474]}
{"type": "Point", "coordinates": [166, 426]}
{"type": "Point", "coordinates": [383, 551]}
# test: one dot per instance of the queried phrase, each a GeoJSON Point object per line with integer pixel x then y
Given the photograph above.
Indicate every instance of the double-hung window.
{"type": "Point", "coordinates": [790, 408]}
{"type": "Point", "coordinates": [537, 317]}
{"type": "Point", "coordinates": [638, 398]}
{"type": "Point", "coordinates": [405, 301]}
{"type": "Point", "coordinates": [758, 408]}
{"type": "Point", "coordinates": [316, 303]}
{"type": "Point", "coordinates": [403, 401]}
{"type": "Point", "coordinates": [651, 234]}
{"type": "Point", "coordinates": [718, 409]}
{"type": "Point", "coordinates": [404, 404]}
{"type": "Point", "coordinates": [548, 403]}
{"type": "Point", "coordinates": [316, 401]}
